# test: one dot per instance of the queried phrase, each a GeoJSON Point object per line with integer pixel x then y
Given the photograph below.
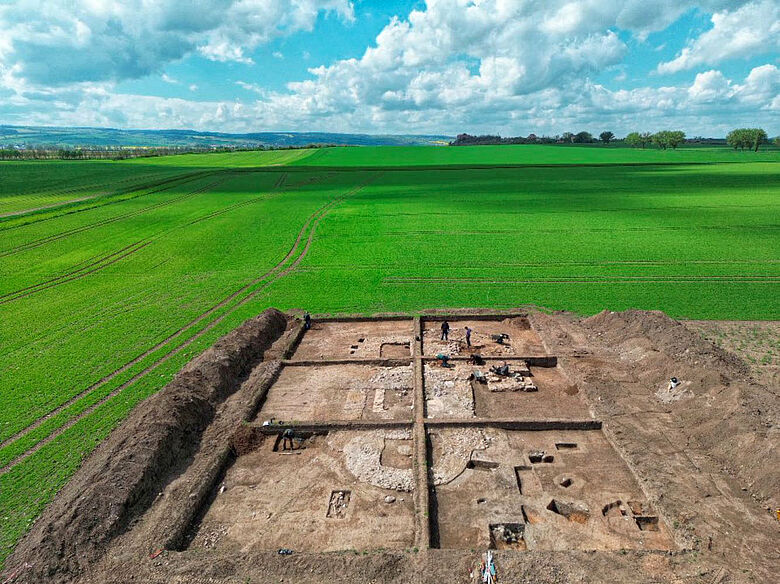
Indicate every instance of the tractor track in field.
{"type": "Point", "coordinates": [580, 264]}
{"type": "Point", "coordinates": [51, 206]}
{"type": "Point", "coordinates": [91, 268]}
{"type": "Point", "coordinates": [144, 181]}
{"type": "Point", "coordinates": [128, 215]}
{"type": "Point", "coordinates": [568, 230]}
{"type": "Point", "coordinates": [125, 252]}
{"type": "Point", "coordinates": [150, 188]}
{"type": "Point", "coordinates": [122, 187]}
{"type": "Point", "coordinates": [590, 280]}
{"type": "Point", "coordinates": [280, 270]}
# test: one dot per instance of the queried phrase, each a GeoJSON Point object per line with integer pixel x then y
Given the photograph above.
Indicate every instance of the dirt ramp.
{"type": "Point", "coordinates": [120, 480]}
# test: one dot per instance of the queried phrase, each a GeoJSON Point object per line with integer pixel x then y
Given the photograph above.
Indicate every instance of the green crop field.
{"type": "Point", "coordinates": [395, 156]}
{"type": "Point", "coordinates": [114, 274]}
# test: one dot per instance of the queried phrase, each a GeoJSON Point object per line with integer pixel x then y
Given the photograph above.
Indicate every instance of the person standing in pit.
{"type": "Point", "coordinates": [307, 321]}
{"type": "Point", "coordinates": [287, 438]}
{"type": "Point", "coordinates": [445, 331]}
{"type": "Point", "coordinates": [468, 337]}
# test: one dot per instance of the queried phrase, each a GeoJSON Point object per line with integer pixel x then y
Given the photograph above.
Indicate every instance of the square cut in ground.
{"type": "Point", "coordinates": [335, 491]}
{"type": "Point", "coordinates": [462, 390]}
{"type": "Point", "coordinates": [347, 391]}
{"type": "Point", "coordinates": [503, 337]}
{"type": "Point", "coordinates": [545, 490]}
{"type": "Point", "coordinates": [363, 339]}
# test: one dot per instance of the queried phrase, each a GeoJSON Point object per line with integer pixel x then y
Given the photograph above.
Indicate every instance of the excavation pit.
{"type": "Point", "coordinates": [646, 523]}
{"type": "Point", "coordinates": [458, 392]}
{"type": "Point", "coordinates": [397, 453]}
{"type": "Point", "coordinates": [507, 469]}
{"type": "Point", "coordinates": [332, 495]}
{"type": "Point", "coordinates": [517, 492]}
{"type": "Point", "coordinates": [357, 339]}
{"type": "Point", "coordinates": [522, 339]}
{"type": "Point", "coordinates": [348, 391]}
{"type": "Point", "coordinates": [395, 351]}
{"type": "Point", "coordinates": [507, 536]}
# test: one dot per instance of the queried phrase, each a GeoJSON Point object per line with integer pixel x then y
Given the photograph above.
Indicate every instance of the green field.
{"type": "Point", "coordinates": [381, 156]}
{"type": "Point", "coordinates": [141, 264]}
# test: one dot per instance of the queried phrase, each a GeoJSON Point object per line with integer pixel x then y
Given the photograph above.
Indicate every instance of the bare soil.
{"type": "Point", "coordinates": [603, 474]}
{"type": "Point", "coordinates": [274, 498]}
{"type": "Point", "coordinates": [559, 495]}
{"type": "Point", "coordinates": [756, 342]}
{"type": "Point", "coordinates": [340, 392]}
{"type": "Point", "coordinates": [521, 339]}
{"type": "Point", "coordinates": [453, 391]}
{"type": "Point", "coordinates": [356, 340]}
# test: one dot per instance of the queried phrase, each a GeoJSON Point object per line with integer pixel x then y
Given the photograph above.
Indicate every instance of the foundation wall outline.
{"type": "Point", "coordinates": [425, 505]}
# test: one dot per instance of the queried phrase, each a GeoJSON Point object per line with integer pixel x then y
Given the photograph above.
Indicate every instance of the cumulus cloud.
{"type": "Point", "coordinates": [591, 106]}
{"type": "Point", "coordinates": [710, 86]}
{"type": "Point", "coordinates": [533, 64]}
{"type": "Point", "coordinates": [52, 42]}
{"type": "Point", "coordinates": [750, 30]}
{"type": "Point", "coordinates": [512, 66]}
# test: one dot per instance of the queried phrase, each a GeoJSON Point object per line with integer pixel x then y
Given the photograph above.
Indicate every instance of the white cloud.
{"type": "Point", "coordinates": [168, 79]}
{"type": "Point", "coordinates": [750, 30]}
{"type": "Point", "coordinates": [710, 86]}
{"type": "Point", "coordinates": [590, 106]}
{"type": "Point", "coordinates": [55, 42]}
{"type": "Point", "coordinates": [761, 88]}
{"type": "Point", "coordinates": [508, 66]}
{"type": "Point", "coordinates": [251, 87]}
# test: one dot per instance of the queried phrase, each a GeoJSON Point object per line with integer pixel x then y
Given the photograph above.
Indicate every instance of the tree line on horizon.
{"type": "Point", "coordinates": [125, 153]}
{"type": "Point", "coordinates": [740, 138]}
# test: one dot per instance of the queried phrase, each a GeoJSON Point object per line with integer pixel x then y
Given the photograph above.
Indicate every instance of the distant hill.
{"type": "Point", "coordinates": [29, 136]}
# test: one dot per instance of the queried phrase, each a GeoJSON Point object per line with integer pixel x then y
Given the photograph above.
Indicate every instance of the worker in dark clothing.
{"type": "Point", "coordinates": [502, 370]}
{"type": "Point", "coordinates": [287, 436]}
{"type": "Point", "coordinates": [445, 331]}
{"type": "Point", "coordinates": [468, 337]}
{"type": "Point", "coordinates": [307, 321]}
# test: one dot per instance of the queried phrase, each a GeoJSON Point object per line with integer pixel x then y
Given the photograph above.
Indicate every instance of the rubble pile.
{"type": "Point", "coordinates": [448, 394]}
{"type": "Point", "coordinates": [455, 453]}
{"type": "Point", "coordinates": [363, 455]}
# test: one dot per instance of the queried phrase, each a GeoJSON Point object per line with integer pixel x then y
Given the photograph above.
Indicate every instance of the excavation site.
{"type": "Point", "coordinates": [398, 448]}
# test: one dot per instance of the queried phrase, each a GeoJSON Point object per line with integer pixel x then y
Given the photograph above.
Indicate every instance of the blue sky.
{"type": "Point", "coordinates": [441, 66]}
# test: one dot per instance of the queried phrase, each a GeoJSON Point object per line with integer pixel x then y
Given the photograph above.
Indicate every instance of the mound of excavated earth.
{"type": "Point", "coordinates": [400, 469]}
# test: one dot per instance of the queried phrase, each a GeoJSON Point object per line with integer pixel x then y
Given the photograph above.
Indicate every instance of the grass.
{"type": "Point", "coordinates": [103, 300]}
{"type": "Point", "coordinates": [404, 156]}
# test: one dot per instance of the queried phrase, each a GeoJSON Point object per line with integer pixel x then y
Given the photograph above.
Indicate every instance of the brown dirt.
{"type": "Point", "coordinates": [757, 342]}
{"type": "Point", "coordinates": [271, 498]}
{"type": "Point", "coordinates": [523, 341]}
{"type": "Point", "coordinates": [123, 475]}
{"type": "Point", "coordinates": [710, 457]}
{"type": "Point", "coordinates": [702, 458]}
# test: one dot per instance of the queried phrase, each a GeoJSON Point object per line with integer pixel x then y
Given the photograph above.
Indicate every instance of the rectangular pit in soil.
{"type": "Point", "coordinates": [334, 491]}
{"type": "Point", "coordinates": [362, 339]}
{"type": "Point", "coordinates": [502, 337]}
{"type": "Point", "coordinates": [348, 392]}
{"type": "Point", "coordinates": [544, 394]}
{"type": "Point", "coordinates": [569, 499]}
